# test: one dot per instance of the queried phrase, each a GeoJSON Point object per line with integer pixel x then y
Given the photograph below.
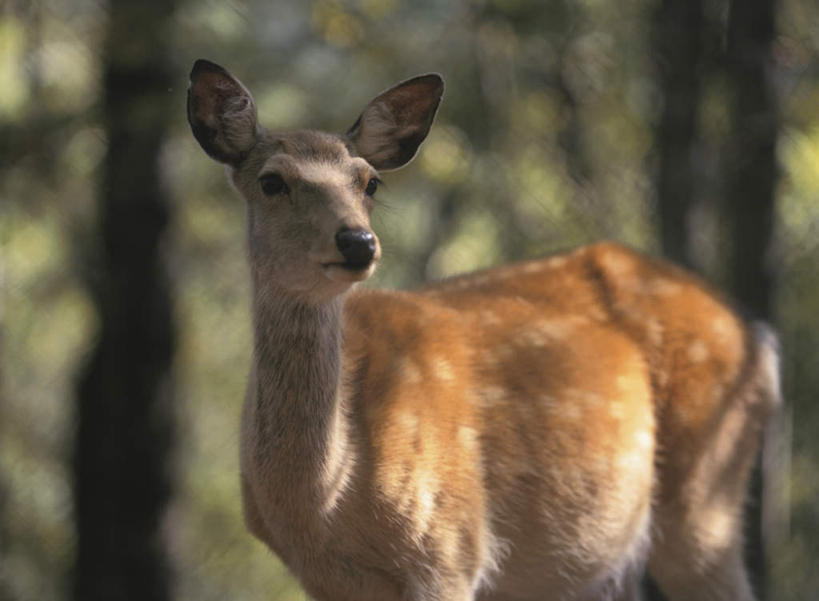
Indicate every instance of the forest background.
{"type": "Point", "coordinates": [687, 128]}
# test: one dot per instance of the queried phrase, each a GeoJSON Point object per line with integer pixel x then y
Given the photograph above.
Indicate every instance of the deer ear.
{"type": "Point", "coordinates": [221, 113]}
{"type": "Point", "coordinates": [393, 125]}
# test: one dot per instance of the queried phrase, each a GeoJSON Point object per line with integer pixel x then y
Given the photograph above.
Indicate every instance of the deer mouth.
{"type": "Point", "coordinates": [349, 272]}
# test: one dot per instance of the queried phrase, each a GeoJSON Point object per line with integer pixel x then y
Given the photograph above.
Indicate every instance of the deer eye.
{"type": "Point", "coordinates": [272, 184]}
{"type": "Point", "coordinates": [372, 186]}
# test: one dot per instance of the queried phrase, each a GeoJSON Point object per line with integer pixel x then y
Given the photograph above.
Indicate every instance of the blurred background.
{"type": "Point", "coordinates": [688, 128]}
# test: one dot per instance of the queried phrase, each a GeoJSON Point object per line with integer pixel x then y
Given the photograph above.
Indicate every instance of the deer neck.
{"type": "Point", "coordinates": [299, 425]}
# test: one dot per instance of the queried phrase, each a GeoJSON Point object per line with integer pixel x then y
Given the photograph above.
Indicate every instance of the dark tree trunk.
{"type": "Point", "coordinates": [751, 176]}
{"type": "Point", "coordinates": [678, 40]}
{"type": "Point", "coordinates": [5, 592]}
{"type": "Point", "coordinates": [125, 426]}
{"type": "Point", "coordinates": [751, 153]}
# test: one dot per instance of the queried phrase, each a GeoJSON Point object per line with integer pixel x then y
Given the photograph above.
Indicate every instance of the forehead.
{"type": "Point", "coordinates": [311, 155]}
{"type": "Point", "coordinates": [311, 146]}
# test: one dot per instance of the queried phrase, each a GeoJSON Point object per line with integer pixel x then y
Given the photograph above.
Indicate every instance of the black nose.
{"type": "Point", "coordinates": [357, 247]}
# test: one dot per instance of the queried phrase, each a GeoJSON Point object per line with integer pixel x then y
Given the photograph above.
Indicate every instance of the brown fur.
{"type": "Point", "coordinates": [543, 430]}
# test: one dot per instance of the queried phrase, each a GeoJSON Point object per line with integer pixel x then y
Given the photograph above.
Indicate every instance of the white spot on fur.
{"type": "Point", "coordinates": [633, 461]}
{"type": "Point", "coordinates": [586, 397]}
{"type": "Point", "coordinates": [468, 438]}
{"type": "Point", "coordinates": [617, 410]}
{"type": "Point", "coordinates": [489, 317]}
{"type": "Point", "coordinates": [662, 287]}
{"type": "Point", "coordinates": [654, 331]}
{"type": "Point", "coordinates": [555, 262]}
{"type": "Point", "coordinates": [427, 486]}
{"type": "Point", "coordinates": [616, 264]}
{"type": "Point", "coordinates": [408, 371]}
{"type": "Point", "coordinates": [491, 395]}
{"type": "Point", "coordinates": [443, 369]}
{"type": "Point", "coordinates": [719, 527]}
{"type": "Point", "coordinates": [559, 329]}
{"type": "Point", "coordinates": [698, 351]}
{"type": "Point", "coordinates": [533, 338]}
{"type": "Point", "coordinates": [531, 267]}
{"type": "Point", "coordinates": [571, 412]}
{"type": "Point", "coordinates": [409, 423]}
{"type": "Point", "coordinates": [628, 383]}
{"type": "Point", "coordinates": [644, 439]}
{"type": "Point", "coordinates": [721, 326]}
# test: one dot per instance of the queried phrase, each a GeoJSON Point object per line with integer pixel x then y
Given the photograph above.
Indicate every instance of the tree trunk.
{"type": "Point", "coordinates": [751, 176]}
{"type": "Point", "coordinates": [678, 39]}
{"type": "Point", "coordinates": [5, 592]}
{"type": "Point", "coordinates": [124, 397]}
{"type": "Point", "coordinates": [751, 153]}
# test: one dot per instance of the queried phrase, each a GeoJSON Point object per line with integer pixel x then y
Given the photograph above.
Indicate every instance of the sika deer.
{"type": "Point", "coordinates": [545, 430]}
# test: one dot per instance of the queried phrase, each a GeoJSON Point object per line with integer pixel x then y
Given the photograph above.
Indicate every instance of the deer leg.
{"type": "Point", "coordinates": [697, 546]}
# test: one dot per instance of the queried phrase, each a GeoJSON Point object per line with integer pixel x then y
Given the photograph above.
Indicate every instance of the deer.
{"type": "Point", "coordinates": [548, 429]}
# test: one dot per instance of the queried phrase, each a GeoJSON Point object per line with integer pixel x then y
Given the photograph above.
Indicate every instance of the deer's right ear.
{"type": "Point", "coordinates": [221, 113]}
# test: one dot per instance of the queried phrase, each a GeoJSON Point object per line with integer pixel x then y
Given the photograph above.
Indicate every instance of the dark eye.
{"type": "Point", "coordinates": [272, 184]}
{"type": "Point", "coordinates": [372, 186]}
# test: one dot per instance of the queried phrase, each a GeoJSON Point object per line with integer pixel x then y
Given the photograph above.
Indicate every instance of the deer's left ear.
{"type": "Point", "coordinates": [221, 113]}
{"type": "Point", "coordinates": [393, 125]}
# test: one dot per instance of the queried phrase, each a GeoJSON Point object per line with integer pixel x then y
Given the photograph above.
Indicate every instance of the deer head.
{"type": "Point", "coordinates": [309, 194]}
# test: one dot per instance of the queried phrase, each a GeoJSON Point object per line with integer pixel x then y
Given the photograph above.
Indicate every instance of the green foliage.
{"type": "Point", "coordinates": [544, 141]}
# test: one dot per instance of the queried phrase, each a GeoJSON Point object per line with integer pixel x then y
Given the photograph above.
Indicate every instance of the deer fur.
{"type": "Point", "coordinates": [544, 430]}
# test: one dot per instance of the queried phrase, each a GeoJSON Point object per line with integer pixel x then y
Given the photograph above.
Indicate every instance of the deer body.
{"type": "Point", "coordinates": [545, 430]}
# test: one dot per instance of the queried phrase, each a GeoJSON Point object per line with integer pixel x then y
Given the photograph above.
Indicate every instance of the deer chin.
{"type": "Point", "coordinates": [340, 272]}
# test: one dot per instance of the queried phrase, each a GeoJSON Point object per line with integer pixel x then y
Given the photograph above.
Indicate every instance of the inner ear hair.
{"type": "Point", "coordinates": [395, 123]}
{"type": "Point", "coordinates": [221, 113]}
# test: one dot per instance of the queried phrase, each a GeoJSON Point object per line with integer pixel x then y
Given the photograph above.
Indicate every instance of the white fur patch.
{"type": "Point", "coordinates": [426, 485]}
{"type": "Point", "coordinates": [616, 264]}
{"type": "Point", "coordinates": [662, 287]}
{"type": "Point", "coordinates": [721, 326]}
{"type": "Point", "coordinates": [655, 331]}
{"type": "Point", "coordinates": [491, 395]}
{"type": "Point", "coordinates": [489, 317]}
{"type": "Point", "coordinates": [698, 351]}
{"type": "Point", "coordinates": [468, 438]}
{"type": "Point", "coordinates": [555, 262]}
{"type": "Point", "coordinates": [408, 371]}
{"type": "Point", "coordinates": [644, 439]}
{"type": "Point", "coordinates": [617, 410]}
{"type": "Point", "coordinates": [443, 369]}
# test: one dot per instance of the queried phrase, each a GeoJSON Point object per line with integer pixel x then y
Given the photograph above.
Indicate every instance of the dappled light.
{"type": "Point", "coordinates": [546, 139]}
